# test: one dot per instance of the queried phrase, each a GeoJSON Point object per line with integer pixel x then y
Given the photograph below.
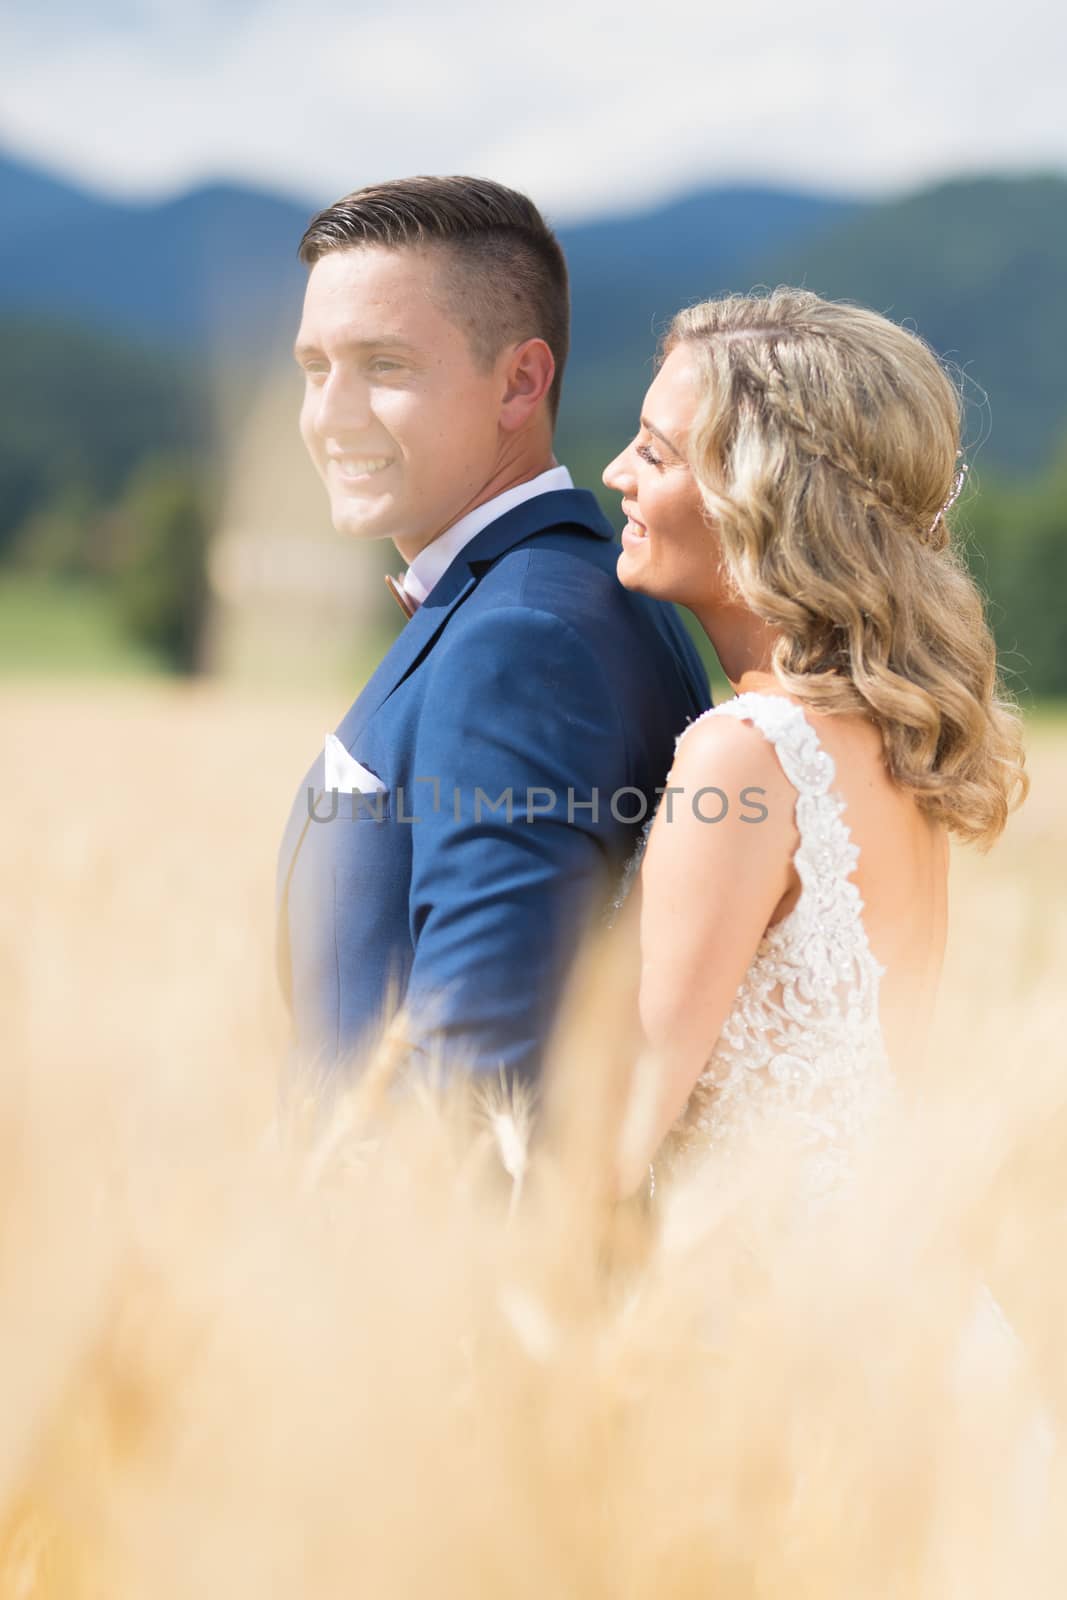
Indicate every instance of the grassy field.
{"type": "Point", "coordinates": [246, 1354]}
{"type": "Point", "coordinates": [58, 629]}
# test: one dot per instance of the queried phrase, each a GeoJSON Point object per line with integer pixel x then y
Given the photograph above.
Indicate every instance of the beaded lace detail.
{"type": "Point", "coordinates": [803, 1037]}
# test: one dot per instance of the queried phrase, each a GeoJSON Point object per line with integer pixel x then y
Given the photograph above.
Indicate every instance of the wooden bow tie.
{"type": "Point", "coordinates": [407, 605]}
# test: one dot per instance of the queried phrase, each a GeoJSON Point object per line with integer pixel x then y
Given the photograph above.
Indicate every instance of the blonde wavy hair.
{"type": "Point", "coordinates": [825, 447]}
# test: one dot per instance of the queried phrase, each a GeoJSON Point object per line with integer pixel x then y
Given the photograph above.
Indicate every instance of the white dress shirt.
{"type": "Point", "coordinates": [431, 563]}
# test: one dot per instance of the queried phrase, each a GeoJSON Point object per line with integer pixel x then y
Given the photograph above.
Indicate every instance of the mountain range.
{"type": "Point", "coordinates": [978, 266]}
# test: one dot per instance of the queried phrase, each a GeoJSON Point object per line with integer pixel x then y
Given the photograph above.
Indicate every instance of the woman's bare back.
{"type": "Point", "coordinates": [901, 874]}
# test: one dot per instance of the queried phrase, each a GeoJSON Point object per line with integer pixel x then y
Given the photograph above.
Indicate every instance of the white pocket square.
{"type": "Point", "coordinates": [344, 772]}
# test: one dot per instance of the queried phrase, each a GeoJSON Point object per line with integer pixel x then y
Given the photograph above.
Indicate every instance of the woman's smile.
{"type": "Point", "coordinates": [634, 532]}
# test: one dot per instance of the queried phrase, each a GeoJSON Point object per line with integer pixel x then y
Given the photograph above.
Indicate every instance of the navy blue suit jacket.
{"type": "Point", "coordinates": [523, 716]}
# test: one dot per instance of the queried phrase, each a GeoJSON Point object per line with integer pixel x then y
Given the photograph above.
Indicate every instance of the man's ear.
{"type": "Point", "coordinates": [528, 373]}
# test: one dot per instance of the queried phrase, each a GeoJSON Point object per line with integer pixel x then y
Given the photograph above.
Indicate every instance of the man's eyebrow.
{"type": "Point", "coordinates": [650, 427]}
{"type": "Point", "coordinates": [305, 347]}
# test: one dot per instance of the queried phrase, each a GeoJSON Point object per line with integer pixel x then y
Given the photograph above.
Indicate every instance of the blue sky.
{"type": "Point", "coordinates": [591, 107]}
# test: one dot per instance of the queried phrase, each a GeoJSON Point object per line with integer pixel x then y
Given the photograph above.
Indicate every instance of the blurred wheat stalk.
{"type": "Point", "coordinates": [253, 1345]}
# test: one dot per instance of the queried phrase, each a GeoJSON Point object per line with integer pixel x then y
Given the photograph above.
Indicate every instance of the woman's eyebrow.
{"type": "Point", "coordinates": [650, 427]}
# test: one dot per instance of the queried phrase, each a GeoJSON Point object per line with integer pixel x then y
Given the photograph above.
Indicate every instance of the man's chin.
{"type": "Point", "coordinates": [352, 522]}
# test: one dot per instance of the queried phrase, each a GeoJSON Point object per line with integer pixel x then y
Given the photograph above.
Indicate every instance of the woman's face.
{"type": "Point", "coordinates": [668, 548]}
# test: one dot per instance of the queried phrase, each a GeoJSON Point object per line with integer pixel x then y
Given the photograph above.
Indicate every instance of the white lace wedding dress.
{"type": "Point", "coordinates": [802, 1044]}
{"type": "Point", "coordinates": [802, 1048]}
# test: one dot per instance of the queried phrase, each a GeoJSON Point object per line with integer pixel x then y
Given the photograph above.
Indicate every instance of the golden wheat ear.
{"type": "Point", "coordinates": [357, 1097]}
{"type": "Point", "coordinates": [505, 1109]}
{"type": "Point", "coordinates": [587, 1107]}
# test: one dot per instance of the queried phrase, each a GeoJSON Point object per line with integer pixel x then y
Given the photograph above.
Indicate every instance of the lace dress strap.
{"type": "Point", "coordinates": [809, 768]}
{"type": "Point", "coordinates": [825, 857]}
{"type": "Point", "coordinates": [803, 1039]}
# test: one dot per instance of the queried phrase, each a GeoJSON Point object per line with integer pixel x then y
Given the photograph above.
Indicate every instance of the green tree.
{"type": "Point", "coordinates": [79, 408]}
{"type": "Point", "coordinates": [64, 537]}
{"type": "Point", "coordinates": [1018, 552]}
{"type": "Point", "coordinates": [159, 545]}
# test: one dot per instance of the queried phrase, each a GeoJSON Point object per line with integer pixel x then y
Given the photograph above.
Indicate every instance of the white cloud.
{"type": "Point", "coordinates": [588, 106]}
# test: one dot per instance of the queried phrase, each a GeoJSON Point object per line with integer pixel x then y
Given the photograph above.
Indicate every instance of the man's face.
{"type": "Point", "coordinates": [400, 421]}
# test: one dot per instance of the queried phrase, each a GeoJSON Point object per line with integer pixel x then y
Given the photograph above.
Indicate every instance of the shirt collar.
{"type": "Point", "coordinates": [431, 563]}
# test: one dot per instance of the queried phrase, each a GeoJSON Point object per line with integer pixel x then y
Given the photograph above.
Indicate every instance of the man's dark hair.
{"type": "Point", "coordinates": [505, 276]}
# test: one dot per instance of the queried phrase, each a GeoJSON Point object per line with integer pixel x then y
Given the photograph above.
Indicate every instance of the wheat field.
{"type": "Point", "coordinates": [252, 1344]}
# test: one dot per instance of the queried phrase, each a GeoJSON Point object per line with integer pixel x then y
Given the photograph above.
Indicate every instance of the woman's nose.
{"type": "Point", "coordinates": [615, 476]}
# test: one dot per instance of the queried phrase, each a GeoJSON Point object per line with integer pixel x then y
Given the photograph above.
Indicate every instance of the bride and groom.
{"type": "Point", "coordinates": [516, 746]}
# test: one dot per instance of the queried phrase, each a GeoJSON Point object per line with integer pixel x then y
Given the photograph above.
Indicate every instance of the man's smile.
{"type": "Point", "coordinates": [358, 469]}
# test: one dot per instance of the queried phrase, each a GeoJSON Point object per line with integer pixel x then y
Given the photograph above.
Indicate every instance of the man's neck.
{"type": "Point", "coordinates": [508, 476]}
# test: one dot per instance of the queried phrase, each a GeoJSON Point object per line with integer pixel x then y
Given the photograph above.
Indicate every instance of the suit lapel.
{"type": "Point", "coordinates": [539, 515]}
{"type": "Point", "coordinates": [407, 649]}
{"type": "Point", "coordinates": [543, 514]}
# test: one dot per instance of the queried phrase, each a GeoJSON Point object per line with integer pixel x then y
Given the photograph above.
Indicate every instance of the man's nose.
{"type": "Point", "coordinates": [344, 405]}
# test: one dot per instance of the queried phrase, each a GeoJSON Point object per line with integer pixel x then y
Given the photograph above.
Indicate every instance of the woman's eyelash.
{"type": "Point", "coordinates": [649, 455]}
